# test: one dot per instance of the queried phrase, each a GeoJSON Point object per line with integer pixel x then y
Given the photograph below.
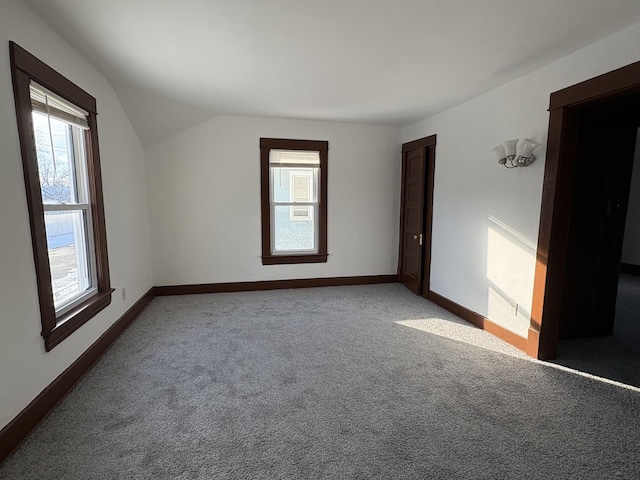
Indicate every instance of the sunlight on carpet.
{"type": "Point", "coordinates": [462, 332]}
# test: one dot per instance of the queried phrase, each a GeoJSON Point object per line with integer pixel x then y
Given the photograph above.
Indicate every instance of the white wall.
{"type": "Point", "coordinates": [204, 200]}
{"type": "Point", "coordinates": [25, 368]}
{"type": "Point", "coordinates": [631, 245]}
{"type": "Point", "coordinates": [485, 219]}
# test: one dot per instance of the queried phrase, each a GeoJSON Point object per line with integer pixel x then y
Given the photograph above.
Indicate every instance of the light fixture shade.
{"type": "Point", "coordinates": [525, 147]}
{"type": "Point", "coordinates": [510, 146]}
{"type": "Point", "coordinates": [499, 152]}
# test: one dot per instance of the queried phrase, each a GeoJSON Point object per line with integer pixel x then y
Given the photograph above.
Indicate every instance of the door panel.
{"type": "Point", "coordinates": [412, 225]}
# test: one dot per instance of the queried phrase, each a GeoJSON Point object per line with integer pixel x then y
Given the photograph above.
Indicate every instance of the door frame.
{"type": "Point", "coordinates": [429, 144]}
{"type": "Point", "coordinates": [562, 142]}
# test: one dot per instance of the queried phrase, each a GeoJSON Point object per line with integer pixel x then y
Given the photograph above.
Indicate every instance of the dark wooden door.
{"type": "Point", "coordinates": [601, 184]}
{"type": "Point", "coordinates": [410, 271]}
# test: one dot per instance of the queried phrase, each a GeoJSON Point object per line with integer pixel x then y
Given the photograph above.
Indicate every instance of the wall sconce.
{"type": "Point", "coordinates": [516, 153]}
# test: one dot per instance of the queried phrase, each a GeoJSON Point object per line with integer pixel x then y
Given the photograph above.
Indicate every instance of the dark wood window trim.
{"type": "Point", "coordinates": [322, 147]}
{"type": "Point", "coordinates": [24, 68]}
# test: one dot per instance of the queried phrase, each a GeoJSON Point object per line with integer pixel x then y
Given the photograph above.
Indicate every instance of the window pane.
{"type": "Point", "coordinates": [301, 191]}
{"type": "Point", "coordinates": [301, 213]}
{"type": "Point", "coordinates": [295, 157]}
{"type": "Point", "coordinates": [293, 234]}
{"type": "Point", "coordinates": [67, 245]}
{"type": "Point", "coordinates": [287, 184]}
{"type": "Point", "coordinates": [54, 149]}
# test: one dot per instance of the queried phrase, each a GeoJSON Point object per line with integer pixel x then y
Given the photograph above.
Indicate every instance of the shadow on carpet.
{"type": "Point", "coordinates": [326, 383]}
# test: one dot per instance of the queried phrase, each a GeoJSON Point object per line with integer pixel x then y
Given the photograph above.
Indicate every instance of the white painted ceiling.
{"type": "Point", "coordinates": [177, 63]}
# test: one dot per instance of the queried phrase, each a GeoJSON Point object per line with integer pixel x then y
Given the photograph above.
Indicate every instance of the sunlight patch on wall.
{"type": "Point", "coordinates": [510, 275]}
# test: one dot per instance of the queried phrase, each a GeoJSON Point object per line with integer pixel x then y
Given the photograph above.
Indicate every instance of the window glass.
{"type": "Point", "coordinates": [60, 148]}
{"type": "Point", "coordinates": [55, 165]}
{"type": "Point", "coordinates": [294, 183]}
{"type": "Point", "coordinates": [301, 187]}
{"type": "Point", "coordinates": [293, 235]}
{"type": "Point", "coordinates": [68, 258]}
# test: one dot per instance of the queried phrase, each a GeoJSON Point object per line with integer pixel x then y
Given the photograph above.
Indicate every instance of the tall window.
{"type": "Point", "coordinates": [58, 137]}
{"type": "Point", "coordinates": [294, 201]}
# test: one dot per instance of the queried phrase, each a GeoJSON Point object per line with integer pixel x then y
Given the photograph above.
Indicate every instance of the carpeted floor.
{"type": "Point", "coordinates": [616, 357]}
{"type": "Point", "coordinates": [346, 383]}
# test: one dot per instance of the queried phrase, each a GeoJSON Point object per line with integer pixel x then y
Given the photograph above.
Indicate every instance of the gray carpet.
{"type": "Point", "coordinates": [616, 357]}
{"type": "Point", "coordinates": [327, 383]}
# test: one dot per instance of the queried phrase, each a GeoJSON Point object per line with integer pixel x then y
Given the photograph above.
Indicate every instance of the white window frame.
{"type": "Point", "coordinates": [83, 231]}
{"type": "Point", "coordinates": [314, 184]}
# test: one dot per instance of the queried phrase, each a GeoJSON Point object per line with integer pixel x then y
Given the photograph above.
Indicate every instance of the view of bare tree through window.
{"type": "Point", "coordinates": [65, 242]}
{"type": "Point", "coordinates": [54, 172]}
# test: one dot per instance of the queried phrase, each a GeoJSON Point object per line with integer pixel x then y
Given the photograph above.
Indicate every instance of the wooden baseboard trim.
{"type": "Point", "coordinates": [17, 430]}
{"type": "Point", "coordinates": [533, 345]}
{"type": "Point", "coordinates": [272, 285]}
{"type": "Point", "coordinates": [630, 268]}
{"type": "Point", "coordinates": [479, 321]}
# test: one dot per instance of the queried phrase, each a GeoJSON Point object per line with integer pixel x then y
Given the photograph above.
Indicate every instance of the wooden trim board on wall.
{"type": "Point", "coordinates": [17, 430]}
{"type": "Point", "coordinates": [272, 285]}
{"type": "Point", "coordinates": [479, 321]}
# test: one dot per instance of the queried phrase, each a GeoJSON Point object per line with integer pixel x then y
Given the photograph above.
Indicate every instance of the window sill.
{"type": "Point", "coordinates": [74, 319]}
{"type": "Point", "coordinates": [291, 259]}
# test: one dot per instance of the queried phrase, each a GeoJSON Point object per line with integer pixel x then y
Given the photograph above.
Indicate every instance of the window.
{"type": "Point", "coordinates": [62, 172]}
{"type": "Point", "coordinates": [294, 201]}
{"type": "Point", "coordinates": [61, 162]}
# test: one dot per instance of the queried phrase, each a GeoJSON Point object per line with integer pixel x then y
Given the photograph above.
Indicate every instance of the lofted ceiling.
{"type": "Point", "coordinates": [177, 63]}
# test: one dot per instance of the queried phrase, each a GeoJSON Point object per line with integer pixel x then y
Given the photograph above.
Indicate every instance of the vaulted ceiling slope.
{"type": "Point", "coordinates": [175, 64]}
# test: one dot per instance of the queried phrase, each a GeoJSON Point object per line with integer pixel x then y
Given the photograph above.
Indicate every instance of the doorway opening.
{"type": "Point", "coordinates": [590, 153]}
{"type": "Point", "coordinates": [599, 317]}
